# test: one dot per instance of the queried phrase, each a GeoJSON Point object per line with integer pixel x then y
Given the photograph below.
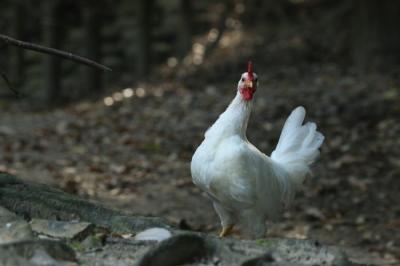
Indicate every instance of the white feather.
{"type": "Point", "coordinates": [298, 145]}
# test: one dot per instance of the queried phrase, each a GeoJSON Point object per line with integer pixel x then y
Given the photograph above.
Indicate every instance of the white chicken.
{"type": "Point", "coordinates": [247, 186]}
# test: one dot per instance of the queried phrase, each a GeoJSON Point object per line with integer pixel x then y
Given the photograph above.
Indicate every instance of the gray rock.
{"type": "Point", "coordinates": [62, 229]}
{"type": "Point", "coordinates": [6, 216]}
{"type": "Point", "coordinates": [36, 252]}
{"type": "Point", "coordinates": [13, 228]}
{"type": "Point", "coordinates": [278, 252]}
{"type": "Point", "coordinates": [15, 231]}
{"type": "Point", "coordinates": [178, 250]}
{"type": "Point", "coordinates": [42, 258]}
{"type": "Point", "coordinates": [202, 249]}
{"type": "Point", "coordinates": [10, 258]}
{"type": "Point", "coordinates": [118, 253]}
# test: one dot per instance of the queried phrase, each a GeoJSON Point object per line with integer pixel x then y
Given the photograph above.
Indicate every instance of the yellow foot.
{"type": "Point", "coordinates": [226, 231]}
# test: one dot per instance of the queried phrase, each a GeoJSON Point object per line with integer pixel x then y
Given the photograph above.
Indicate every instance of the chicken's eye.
{"type": "Point", "coordinates": [242, 79]}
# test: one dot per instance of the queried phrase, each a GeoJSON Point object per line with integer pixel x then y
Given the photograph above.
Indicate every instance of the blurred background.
{"type": "Point", "coordinates": [138, 38]}
{"type": "Point", "coordinates": [126, 137]}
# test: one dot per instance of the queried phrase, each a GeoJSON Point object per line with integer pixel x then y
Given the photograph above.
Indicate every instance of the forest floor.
{"type": "Point", "coordinates": [134, 152]}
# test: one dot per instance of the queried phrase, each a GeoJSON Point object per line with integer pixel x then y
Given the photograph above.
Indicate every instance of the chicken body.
{"type": "Point", "coordinates": [246, 185]}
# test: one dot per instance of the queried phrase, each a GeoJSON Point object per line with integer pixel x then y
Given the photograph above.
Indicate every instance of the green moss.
{"type": "Point", "coordinates": [77, 246]}
{"type": "Point", "coordinates": [93, 241]}
{"type": "Point", "coordinates": [6, 178]}
{"type": "Point", "coordinates": [264, 242]}
{"type": "Point", "coordinates": [97, 239]}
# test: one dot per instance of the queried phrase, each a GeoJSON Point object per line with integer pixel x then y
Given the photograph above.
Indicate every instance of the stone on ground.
{"type": "Point", "coordinates": [62, 229]}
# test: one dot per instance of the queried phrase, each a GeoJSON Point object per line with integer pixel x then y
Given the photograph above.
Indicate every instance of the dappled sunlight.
{"type": "Point", "coordinates": [118, 96]}
{"type": "Point", "coordinates": [127, 93]}
{"type": "Point", "coordinates": [226, 40]}
{"type": "Point", "coordinates": [5, 168]}
{"type": "Point", "coordinates": [172, 62]}
{"type": "Point", "coordinates": [108, 101]}
{"type": "Point", "coordinates": [198, 53]}
{"type": "Point", "coordinates": [140, 92]}
{"type": "Point", "coordinates": [299, 231]}
{"type": "Point", "coordinates": [240, 8]}
{"type": "Point", "coordinates": [212, 35]}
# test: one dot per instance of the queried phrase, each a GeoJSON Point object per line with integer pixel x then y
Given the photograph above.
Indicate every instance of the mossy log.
{"type": "Point", "coordinates": [33, 200]}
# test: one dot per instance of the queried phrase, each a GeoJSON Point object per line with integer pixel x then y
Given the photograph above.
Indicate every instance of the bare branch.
{"type": "Point", "coordinates": [52, 51]}
{"type": "Point", "coordinates": [4, 76]}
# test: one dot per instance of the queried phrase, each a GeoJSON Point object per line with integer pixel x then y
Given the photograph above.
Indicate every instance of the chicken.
{"type": "Point", "coordinates": [245, 185]}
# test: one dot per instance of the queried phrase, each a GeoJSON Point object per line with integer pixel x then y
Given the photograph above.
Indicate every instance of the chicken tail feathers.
{"type": "Point", "coordinates": [298, 146]}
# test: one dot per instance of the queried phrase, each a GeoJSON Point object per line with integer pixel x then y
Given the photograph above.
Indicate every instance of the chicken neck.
{"type": "Point", "coordinates": [233, 121]}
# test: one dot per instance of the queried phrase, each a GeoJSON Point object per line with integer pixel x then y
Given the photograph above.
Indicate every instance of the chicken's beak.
{"type": "Point", "coordinates": [248, 84]}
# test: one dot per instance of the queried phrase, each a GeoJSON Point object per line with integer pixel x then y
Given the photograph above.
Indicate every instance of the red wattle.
{"type": "Point", "coordinates": [247, 93]}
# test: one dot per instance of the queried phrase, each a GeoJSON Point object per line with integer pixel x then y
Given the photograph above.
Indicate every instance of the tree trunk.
{"type": "Point", "coordinates": [93, 48]}
{"type": "Point", "coordinates": [51, 64]}
{"type": "Point", "coordinates": [376, 36]}
{"type": "Point", "coordinates": [143, 60]}
{"type": "Point", "coordinates": [16, 54]}
{"type": "Point", "coordinates": [185, 28]}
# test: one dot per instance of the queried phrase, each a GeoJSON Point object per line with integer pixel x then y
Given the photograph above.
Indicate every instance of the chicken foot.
{"type": "Point", "coordinates": [226, 230]}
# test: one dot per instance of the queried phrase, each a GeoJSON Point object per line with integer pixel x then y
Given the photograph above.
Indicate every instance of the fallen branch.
{"type": "Point", "coordinates": [52, 51]}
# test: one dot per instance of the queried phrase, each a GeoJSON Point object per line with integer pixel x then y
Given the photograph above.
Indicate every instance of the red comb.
{"type": "Point", "coordinates": [250, 69]}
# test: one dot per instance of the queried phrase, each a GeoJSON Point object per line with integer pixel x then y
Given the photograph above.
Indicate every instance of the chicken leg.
{"type": "Point", "coordinates": [227, 219]}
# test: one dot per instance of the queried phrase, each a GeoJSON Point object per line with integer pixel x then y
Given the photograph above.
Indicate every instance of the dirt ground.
{"type": "Point", "coordinates": [132, 149]}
